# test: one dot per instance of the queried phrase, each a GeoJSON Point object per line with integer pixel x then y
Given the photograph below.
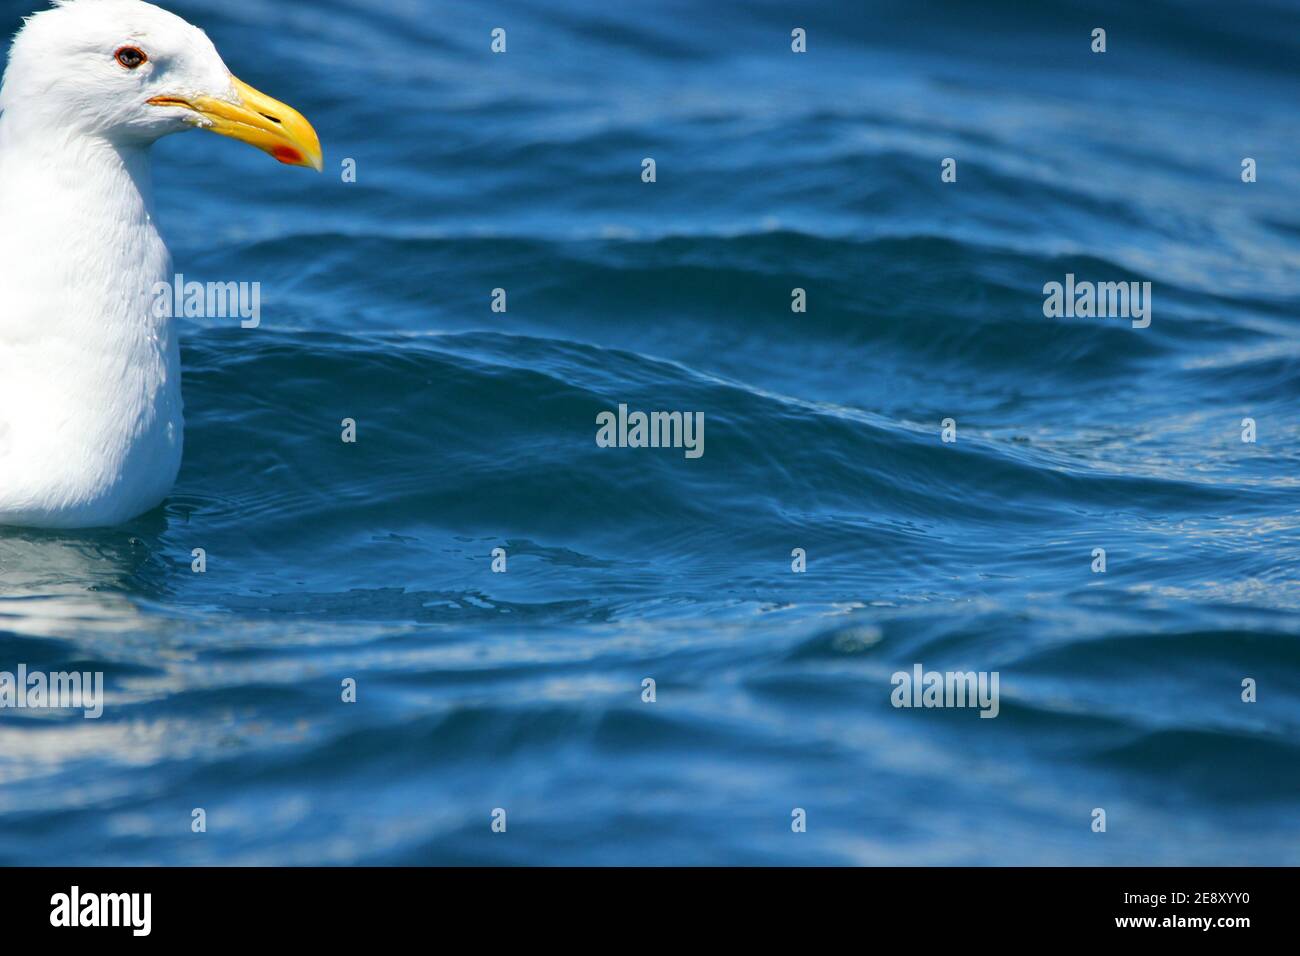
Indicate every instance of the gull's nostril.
{"type": "Point", "coordinates": [272, 118]}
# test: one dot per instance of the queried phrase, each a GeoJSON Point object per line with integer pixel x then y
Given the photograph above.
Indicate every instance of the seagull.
{"type": "Point", "coordinates": [91, 424]}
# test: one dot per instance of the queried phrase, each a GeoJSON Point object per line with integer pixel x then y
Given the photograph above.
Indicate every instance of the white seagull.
{"type": "Point", "coordinates": [90, 379]}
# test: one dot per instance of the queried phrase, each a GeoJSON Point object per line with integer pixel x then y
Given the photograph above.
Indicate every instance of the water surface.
{"type": "Point", "coordinates": [522, 690]}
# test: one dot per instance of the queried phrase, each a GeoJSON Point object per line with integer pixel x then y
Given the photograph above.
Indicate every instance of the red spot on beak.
{"type": "Point", "coordinates": [288, 155]}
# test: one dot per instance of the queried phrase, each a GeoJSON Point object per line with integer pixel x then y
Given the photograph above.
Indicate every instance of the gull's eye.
{"type": "Point", "coordinates": [131, 57]}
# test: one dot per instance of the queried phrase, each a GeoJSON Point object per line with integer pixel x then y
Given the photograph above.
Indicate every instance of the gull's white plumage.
{"type": "Point", "coordinates": [91, 426]}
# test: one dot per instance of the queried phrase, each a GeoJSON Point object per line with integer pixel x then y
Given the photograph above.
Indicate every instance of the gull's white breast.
{"type": "Point", "coordinates": [91, 426]}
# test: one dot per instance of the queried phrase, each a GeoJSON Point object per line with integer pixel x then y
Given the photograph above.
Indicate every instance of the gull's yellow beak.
{"type": "Point", "coordinates": [258, 120]}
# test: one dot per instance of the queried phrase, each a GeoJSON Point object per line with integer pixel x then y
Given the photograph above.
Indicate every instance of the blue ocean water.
{"type": "Point", "coordinates": [476, 430]}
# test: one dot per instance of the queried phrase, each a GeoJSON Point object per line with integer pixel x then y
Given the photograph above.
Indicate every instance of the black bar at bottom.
{"type": "Point", "coordinates": [332, 906]}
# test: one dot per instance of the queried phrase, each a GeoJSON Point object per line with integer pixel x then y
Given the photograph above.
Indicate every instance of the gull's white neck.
{"type": "Point", "coordinates": [90, 407]}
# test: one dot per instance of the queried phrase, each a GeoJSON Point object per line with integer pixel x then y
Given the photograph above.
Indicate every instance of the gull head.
{"type": "Point", "coordinates": [130, 73]}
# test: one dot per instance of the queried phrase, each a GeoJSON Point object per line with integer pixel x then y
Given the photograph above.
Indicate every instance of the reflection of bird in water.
{"type": "Point", "coordinates": [74, 587]}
